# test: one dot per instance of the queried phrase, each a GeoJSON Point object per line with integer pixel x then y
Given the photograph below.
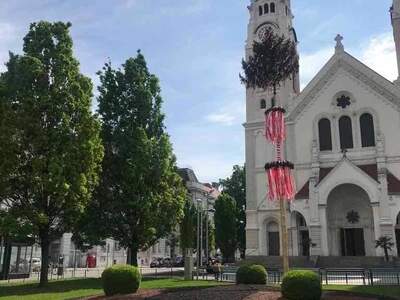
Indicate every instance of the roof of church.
{"type": "Point", "coordinates": [343, 60]}
{"type": "Point", "coordinates": [371, 169]}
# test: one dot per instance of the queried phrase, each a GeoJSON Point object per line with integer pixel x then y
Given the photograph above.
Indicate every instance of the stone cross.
{"type": "Point", "coordinates": [339, 44]}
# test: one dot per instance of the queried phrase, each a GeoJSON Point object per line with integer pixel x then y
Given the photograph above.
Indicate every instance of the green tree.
{"type": "Point", "coordinates": [140, 192]}
{"type": "Point", "coordinates": [235, 186]}
{"type": "Point", "coordinates": [225, 226]}
{"type": "Point", "coordinates": [188, 227]}
{"type": "Point", "coordinates": [386, 244]}
{"type": "Point", "coordinates": [50, 148]}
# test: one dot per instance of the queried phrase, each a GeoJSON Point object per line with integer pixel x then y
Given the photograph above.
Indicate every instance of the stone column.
{"type": "Point", "coordinates": [377, 229]}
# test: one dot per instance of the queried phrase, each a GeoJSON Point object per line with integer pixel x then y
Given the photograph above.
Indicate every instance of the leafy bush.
{"type": "Point", "coordinates": [251, 274]}
{"type": "Point", "coordinates": [120, 280]}
{"type": "Point", "coordinates": [301, 285]}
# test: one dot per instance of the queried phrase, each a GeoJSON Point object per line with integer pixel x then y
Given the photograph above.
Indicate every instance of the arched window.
{"type": "Point", "coordinates": [260, 10]}
{"type": "Point", "coordinates": [325, 135]}
{"type": "Point", "coordinates": [346, 133]}
{"type": "Point", "coordinates": [367, 130]}
{"type": "Point", "coordinates": [272, 7]}
{"type": "Point", "coordinates": [263, 104]}
{"type": "Point", "coordinates": [266, 8]}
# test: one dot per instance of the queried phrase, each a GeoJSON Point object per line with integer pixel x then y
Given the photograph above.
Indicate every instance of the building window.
{"type": "Point", "coordinates": [272, 7]}
{"type": "Point", "coordinates": [260, 10]}
{"type": "Point", "coordinates": [346, 133]}
{"type": "Point", "coordinates": [286, 10]}
{"type": "Point", "coordinates": [263, 104]}
{"type": "Point", "coordinates": [367, 130]}
{"type": "Point", "coordinates": [266, 8]}
{"type": "Point", "coordinates": [325, 135]}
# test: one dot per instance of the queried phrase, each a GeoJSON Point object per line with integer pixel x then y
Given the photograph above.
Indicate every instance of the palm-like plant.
{"type": "Point", "coordinates": [385, 243]}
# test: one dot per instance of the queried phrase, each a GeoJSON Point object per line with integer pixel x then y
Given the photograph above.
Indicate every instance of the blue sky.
{"type": "Point", "coordinates": [195, 48]}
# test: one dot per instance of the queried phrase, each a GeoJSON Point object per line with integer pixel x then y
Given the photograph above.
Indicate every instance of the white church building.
{"type": "Point", "coordinates": [344, 140]}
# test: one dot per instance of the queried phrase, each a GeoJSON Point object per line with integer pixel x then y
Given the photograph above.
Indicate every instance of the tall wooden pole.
{"type": "Point", "coordinates": [284, 236]}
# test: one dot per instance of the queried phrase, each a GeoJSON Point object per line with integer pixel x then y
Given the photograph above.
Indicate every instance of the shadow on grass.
{"type": "Point", "coordinates": [64, 286]}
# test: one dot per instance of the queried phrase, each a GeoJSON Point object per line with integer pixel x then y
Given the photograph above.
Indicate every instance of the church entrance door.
{"type": "Point", "coordinates": [273, 243]}
{"type": "Point", "coordinates": [352, 242]}
{"type": "Point", "coordinates": [305, 243]}
{"type": "Point", "coordinates": [398, 241]}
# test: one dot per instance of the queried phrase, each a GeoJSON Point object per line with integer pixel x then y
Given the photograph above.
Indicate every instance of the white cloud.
{"type": "Point", "coordinates": [232, 113]}
{"type": "Point", "coordinates": [221, 118]}
{"type": "Point", "coordinates": [380, 55]}
{"type": "Point", "coordinates": [311, 64]}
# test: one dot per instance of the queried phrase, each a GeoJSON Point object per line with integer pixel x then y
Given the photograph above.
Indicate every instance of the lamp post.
{"type": "Point", "coordinates": [198, 236]}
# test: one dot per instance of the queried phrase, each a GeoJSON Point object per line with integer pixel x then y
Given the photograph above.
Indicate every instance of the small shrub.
{"type": "Point", "coordinates": [120, 280]}
{"type": "Point", "coordinates": [301, 285]}
{"type": "Point", "coordinates": [251, 274]}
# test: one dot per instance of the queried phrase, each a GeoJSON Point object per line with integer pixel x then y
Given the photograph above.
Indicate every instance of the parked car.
{"type": "Point", "coordinates": [179, 262]}
{"type": "Point", "coordinates": [156, 263]}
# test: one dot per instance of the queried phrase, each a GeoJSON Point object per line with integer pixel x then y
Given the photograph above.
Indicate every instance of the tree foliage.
{"type": "Point", "coordinates": [50, 148]}
{"type": "Point", "coordinates": [235, 186]}
{"type": "Point", "coordinates": [140, 192]}
{"type": "Point", "coordinates": [274, 60]}
{"type": "Point", "coordinates": [386, 244]}
{"type": "Point", "coordinates": [188, 226]}
{"type": "Point", "coordinates": [225, 226]}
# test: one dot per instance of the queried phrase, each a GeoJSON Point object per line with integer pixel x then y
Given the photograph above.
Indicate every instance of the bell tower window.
{"type": "Point", "coordinates": [346, 133]}
{"type": "Point", "coordinates": [266, 8]}
{"type": "Point", "coordinates": [367, 130]}
{"type": "Point", "coordinates": [325, 135]}
{"type": "Point", "coordinates": [263, 104]}
{"type": "Point", "coordinates": [272, 7]}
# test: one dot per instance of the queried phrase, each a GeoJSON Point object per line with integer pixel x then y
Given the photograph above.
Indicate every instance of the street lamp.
{"type": "Point", "coordinates": [199, 202]}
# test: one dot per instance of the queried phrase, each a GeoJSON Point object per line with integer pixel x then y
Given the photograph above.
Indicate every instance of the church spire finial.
{"type": "Point", "coordinates": [339, 45]}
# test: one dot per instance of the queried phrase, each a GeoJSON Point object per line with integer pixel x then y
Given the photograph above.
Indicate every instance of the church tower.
{"type": "Point", "coordinates": [277, 15]}
{"type": "Point", "coordinates": [395, 15]}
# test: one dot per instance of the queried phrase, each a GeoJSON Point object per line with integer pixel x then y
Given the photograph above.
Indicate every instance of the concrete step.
{"type": "Point", "coordinates": [352, 262]}
{"type": "Point", "coordinates": [275, 262]}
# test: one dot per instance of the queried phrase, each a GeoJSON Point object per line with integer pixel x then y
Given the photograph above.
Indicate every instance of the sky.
{"type": "Point", "coordinates": [195, 47]}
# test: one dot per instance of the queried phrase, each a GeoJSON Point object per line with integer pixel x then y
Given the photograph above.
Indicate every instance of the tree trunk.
{"type": "Point", "coordinates": [44, 268]}
{"type": "Point", "coordinates": [132, 256]}
{"type": "Point", "coordinates": [188, 264]}
{"type": "Point", "coordinates": [386, 254]}
{"type": "Point", "coordinates": [284, 236]}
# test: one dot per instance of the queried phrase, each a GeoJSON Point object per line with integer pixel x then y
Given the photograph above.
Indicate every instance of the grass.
{"type": "Point", "coordinates": [388, 291]}
{"type": "Point", "coordinates": [78, 288]}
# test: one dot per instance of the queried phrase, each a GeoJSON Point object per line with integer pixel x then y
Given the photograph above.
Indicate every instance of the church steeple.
{"type": "Point", "coordinates": [395, 16]}
{"type": "Point", "coordinates": [277, 15]}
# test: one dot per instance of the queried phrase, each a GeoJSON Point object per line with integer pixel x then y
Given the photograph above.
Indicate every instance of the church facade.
{"type": "Point", "coordinates": [343, 135]}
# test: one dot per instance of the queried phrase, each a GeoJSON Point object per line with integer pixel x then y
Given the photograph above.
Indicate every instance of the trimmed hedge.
{"type": "Point", "coordinates": [121, 280]}
{"type": "Point", "coordinates": [301, 285]}
{"type": "Point", "coordinates": [251, 274]}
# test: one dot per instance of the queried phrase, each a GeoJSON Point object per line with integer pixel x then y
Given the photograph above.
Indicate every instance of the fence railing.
{"type": "Point", "coordinates": [341, 276]}
{"type": "Point", "coordinates": [67, 273]}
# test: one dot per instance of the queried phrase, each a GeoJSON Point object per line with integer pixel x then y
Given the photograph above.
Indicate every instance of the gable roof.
{"type": "Point", "coordinates": [393, 183]}
{"type": "Point", "coordinates": [345, 61]}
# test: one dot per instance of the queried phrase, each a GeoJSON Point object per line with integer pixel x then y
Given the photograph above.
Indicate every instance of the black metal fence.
{"type": "Point", "coordinates": [342, 276]}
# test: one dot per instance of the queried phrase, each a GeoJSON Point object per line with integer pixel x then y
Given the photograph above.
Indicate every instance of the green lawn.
{"type": "Point", "coordinates": [389, 291]}
{"type": "Point", "coordinates": [78, 288]}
